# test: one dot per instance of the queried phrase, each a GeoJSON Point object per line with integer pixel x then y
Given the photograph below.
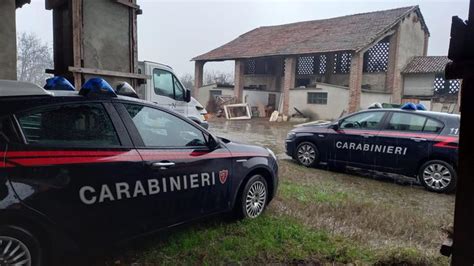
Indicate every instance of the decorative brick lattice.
{"type": "Point", "coordinates": [444, 87]}
{"type": "Point", "coordinates": [250, 66]}
{"type": "Point", "coordinates": [305, 65]}
{"type": "Point", "coordinates": [376, 58]}
{"type": "Point", "coordinates": [322, 64]}
{"type": "Point", "coordinates": [342, 63]}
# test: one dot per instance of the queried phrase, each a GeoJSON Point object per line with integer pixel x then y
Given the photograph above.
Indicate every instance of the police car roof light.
{"type": "Point", "coordinates": [125, 89]}
{"type": "Point", "coordinates": [58, 83]}
{"type": "Point", "coordinates": [97, 87]}
{"type": "Point", "coordinates": [420, 107]}
{"type": "Point", "coordinates": [409, 106]}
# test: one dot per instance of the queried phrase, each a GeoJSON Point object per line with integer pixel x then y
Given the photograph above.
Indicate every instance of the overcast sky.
{"type": "Point", "coordinates": [173, 32]}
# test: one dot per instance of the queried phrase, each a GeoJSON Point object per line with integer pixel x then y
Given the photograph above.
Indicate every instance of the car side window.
{"type": "Point", "coordinates": [432, 126]}
{"type": "Point", "coordinates": [406, 122]}
{"type": "Point", "coordinates": [7, 131]}
{"type": "Point", "coordinates": [163, 83]}
{"type": "Point", "coordinates": [367, 120]}
{"type": "Point", "coordinates": [69, 125]}
{"type": "Point", "coordinates": [161, 129]}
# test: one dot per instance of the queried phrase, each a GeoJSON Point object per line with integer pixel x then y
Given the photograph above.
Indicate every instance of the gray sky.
{"type": "Point", "coordinates": [173, 32]}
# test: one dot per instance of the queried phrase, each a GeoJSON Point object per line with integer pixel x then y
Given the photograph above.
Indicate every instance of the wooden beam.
{"type": "Point", "coordinates": [127, 3]}
{"type": "Point", "coordinates": [53, 4]}
{"type": "Point", "coordinates": [108, 73]}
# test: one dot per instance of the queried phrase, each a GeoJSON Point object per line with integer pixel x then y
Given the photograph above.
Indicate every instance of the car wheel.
{"type": "Point", "coordinates": [307, 154]}
{"type": "Point", "coordinates": [18, 247]}
{"type": "Point", "coordinates": [438, 176]}
{"type": "Point", "coordinates": [254, 198]}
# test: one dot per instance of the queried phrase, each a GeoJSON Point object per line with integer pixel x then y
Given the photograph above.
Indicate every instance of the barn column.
{"type": "Point", "coordinates": [289, 82]}
{"type": "Point", "coordinates": [355, 82]}
{"type": "Point", "coordinates": [198, 77]}
{"type": "Point", "coordinates": [8, 40]}
{"type": "Point", "coordinates": [239, 79]}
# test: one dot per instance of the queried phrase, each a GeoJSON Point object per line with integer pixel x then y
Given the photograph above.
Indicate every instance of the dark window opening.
{"type": "Point", "coordinates": [317, 97]}
{"type": "Point", "coordinates": [342, 63]}
{"type": "Point", "coordinates": [446, 88]}
{"type": "Point", "coordinates": [259, 66]}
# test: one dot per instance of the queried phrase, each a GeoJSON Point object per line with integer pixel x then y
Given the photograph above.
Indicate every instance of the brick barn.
{"type": "Point", "coordinates": [323, 67]}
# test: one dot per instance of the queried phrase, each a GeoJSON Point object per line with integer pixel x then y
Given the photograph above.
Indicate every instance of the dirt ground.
{"type": "Point", "coordinates": [381, 210]}
{"type": "Point", "coordinates": [318, 217]}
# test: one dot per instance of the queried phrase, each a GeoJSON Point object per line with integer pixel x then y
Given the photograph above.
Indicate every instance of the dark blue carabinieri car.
{"type": "Point", "coordinates": [83, 170]}
{"type": "Point", "coordinates": [405, 141]}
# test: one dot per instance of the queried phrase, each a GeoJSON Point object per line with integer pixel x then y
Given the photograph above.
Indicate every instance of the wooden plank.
{"type": "Point", "coordinates": [108, 73]}
{"type": "Point", "coordinates": [127, 3]}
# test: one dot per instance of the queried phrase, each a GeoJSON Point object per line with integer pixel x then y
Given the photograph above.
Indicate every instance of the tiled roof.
{"type": "Point", "coordinates": [426, 64]}
{"type": "Point", "coordinates": [347, 33]}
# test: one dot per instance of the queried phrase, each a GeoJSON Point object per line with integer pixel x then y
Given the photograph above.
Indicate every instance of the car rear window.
{"type": "Point", "coordinates": [69, 125]}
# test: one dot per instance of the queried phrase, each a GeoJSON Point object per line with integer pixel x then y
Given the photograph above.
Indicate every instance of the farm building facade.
{"type": "Point", "coordinates": [323, 67]}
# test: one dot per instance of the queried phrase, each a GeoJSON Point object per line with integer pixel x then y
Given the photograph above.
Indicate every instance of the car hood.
{"type": "Point", "coordinates": [239, 149]}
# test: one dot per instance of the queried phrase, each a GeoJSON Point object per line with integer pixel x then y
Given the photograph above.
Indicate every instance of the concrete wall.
{"type": "Point", "coordinates": [368, 98]}
{"type": "Point", "coordinates": [106, 29]}
{"type": "Point", "coordinates": [336, 104]}
{"type": "Point", "coordinates": [270, 81]}
{"type": "Point", "coordinates": [7, 40]}
{"type": "Point", "coordinates": [410, 42]}
{"type": "Point", "coordinates": [260, 98]}
{"type": "Point", "coordinates": [375, 80]}
{"type": "Point", "coordinates": [205, 93]}
{"type": "Point", "coordinates": [418, 84]}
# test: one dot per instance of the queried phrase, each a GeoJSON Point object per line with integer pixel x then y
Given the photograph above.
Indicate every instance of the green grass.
{"type": "Point", "coordinates": [263, 240]}
{"type": "Point", "coordinates": [310, 193]}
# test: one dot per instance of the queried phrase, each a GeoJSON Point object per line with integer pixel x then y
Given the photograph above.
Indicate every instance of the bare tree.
{"type": "Point", "coordinates": [211, 77]}
{"type": "Point", "coordinates": [187, 80]}
{"type": "Point", "coordinates": [34, 57]}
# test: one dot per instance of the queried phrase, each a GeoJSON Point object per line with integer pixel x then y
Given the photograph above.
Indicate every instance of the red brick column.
{"type": "Point", "coordinates": [289, 82]}
{"type": "Point", "coordinates": [239, 79]}
{"type": "Point", "coordinates": [393, 82]}
{"type": "Point", "coordinates": [198, 77]}
{"type": "Point", "coordinates": [355, 82]}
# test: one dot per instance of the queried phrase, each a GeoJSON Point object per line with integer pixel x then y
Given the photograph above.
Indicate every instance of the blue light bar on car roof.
{"type": "Point", "coordinates": [58, 83]}
{"type": "Point", "coordinates": [420, 107]}
{"type": "Point", "coordinates": [409, 106]}
{"type": "Point", "coordinates": [97, 87]}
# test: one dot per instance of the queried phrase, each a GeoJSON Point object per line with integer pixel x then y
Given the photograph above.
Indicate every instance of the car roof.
{"type": "Point", "coordinates": [431, 114]}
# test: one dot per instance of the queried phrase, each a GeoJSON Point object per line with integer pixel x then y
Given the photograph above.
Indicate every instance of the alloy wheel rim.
{"type": "Point", "coordinates": [306, 154]}
{"type": "Point", "coordinates": [437, 176]}
{"type": "Point", "coordinates": [13, 252]}
{"type": "Point", "coordinates": [255, 199]}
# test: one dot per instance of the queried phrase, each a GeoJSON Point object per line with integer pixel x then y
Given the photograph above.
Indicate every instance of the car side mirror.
{"type": "Point", "coordinates": [187, 95]}
{"type": "Point", "coordinates": [334, 126]}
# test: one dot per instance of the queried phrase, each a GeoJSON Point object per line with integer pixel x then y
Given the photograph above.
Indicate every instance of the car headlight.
{"type": "Point", "coordinates": [291, 135]}
{"type": "Point", "coordinates": [272, 154]}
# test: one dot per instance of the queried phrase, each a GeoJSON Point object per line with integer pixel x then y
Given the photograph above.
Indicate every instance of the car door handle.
{"type": "Point", "coordinates": [162, 165]}
{"type": "Point", "coordinates": [418, 139]}
{"type": "Point", "coordinates": [368, 135]}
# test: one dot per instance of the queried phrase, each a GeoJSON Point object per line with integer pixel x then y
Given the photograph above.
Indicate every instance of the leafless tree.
{"type": "Point", "coordinates": [211, 77]}
{"type": "Point", "coordinates": [187, 80]}
{"type": "Point", "coordinates": [34, 57]}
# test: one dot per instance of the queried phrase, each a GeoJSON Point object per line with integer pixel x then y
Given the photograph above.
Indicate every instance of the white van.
{"type": "Point", "coordinates": [166, 90]}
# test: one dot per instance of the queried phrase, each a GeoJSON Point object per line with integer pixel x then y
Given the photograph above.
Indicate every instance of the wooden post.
{"type": "Point", "coordinates": [77, 44]}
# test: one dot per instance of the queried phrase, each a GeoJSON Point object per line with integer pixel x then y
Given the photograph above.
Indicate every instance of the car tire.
{"type": "Point", "coordinates": [253, 199]}
{"type": "Point", "coordinates": [18, 245]}
{"type": "Point", "coordinates": [438, 176]}
{"type": "Point", "coordinates": [307, 154]}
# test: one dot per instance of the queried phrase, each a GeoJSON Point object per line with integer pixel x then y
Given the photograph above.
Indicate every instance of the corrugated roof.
{"type": "Point", "coordinates": [347, 33]}
{"type": "Point", "coordinates": [426, 64]}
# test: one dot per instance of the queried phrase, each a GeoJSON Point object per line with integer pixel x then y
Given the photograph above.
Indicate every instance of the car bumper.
{"type": "Point", "coordinates": [290, 147]}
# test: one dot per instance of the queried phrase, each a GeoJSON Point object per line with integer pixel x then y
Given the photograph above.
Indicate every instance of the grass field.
{"type": "Point", "coordinates": [318, 217]}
